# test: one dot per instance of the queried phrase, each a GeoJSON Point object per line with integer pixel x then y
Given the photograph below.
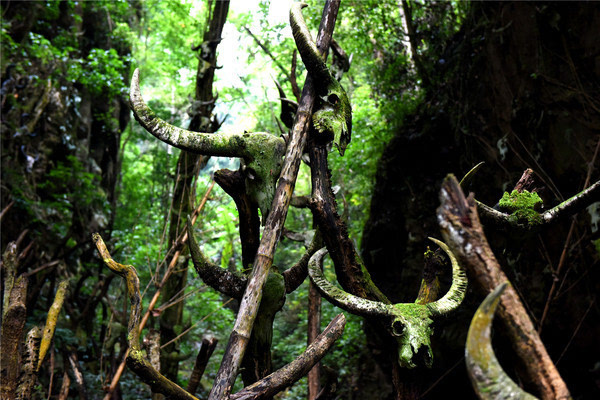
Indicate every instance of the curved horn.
{"type": "Point", "coordinates": [311, 57]}
{"type": "Point", "coordinates": [487, 376]}
{"type": "Point", "coordinates": [457, 290]}
{"type": "Point", "coordinates": [221, 144]}
{"type": "Point", "coordinates": [186, 140]}
{"type": "Point", "coordinates": [349, 302]}
{"type": "Point", "coordinates": [262, 152]}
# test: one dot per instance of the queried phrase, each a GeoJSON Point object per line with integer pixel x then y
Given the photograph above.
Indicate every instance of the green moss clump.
{"type": "Point", "coordinates": [517, 201]}
{"type": "Point", "coordinates": [523, 206]}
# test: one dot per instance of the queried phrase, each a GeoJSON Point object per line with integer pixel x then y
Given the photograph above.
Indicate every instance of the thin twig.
{"type": "Point", "coordinates": [121, 368]}
{"type": "Point", "coordinates": [563, 255]}
{"type": "Point", "coordinates": [197, 322]}
{"type": "Point", "coordinates": [135, 359]}
{"type": "Point", "coordinates": [576, 331]}
{"type": "Point", "coordinates": [5, 209]}
{"type": "Point", "coordinates": [438, 380]}
{"type": "Point", "coordinates": [268, 52]}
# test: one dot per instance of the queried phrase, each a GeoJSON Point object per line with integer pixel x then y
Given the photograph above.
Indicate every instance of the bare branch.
{"type": "Point", "coordinates": [274, 224]}
{"type": "Point", "coordinates": [14, 315]}
{"type": "Point", "coordinates": [28, 376]}
{"type": "Point", "coordinates": [135, 359]}
{"type": "Point", "coordinates": [208, 345]}
{"type": "Point", "coordinates": [565, 209]}
{"type": "Point", "coordinates": [573, 205]}
{"type": "Point", "coordinates": [220, 279]}
{"type": "Point", "coordinates": [286, 376]}
{"type": "Point", "coordinates": [234, 185]}
{"type": "Point", "coordinates": [460, 226]}
{"type": "Point", "coordinates": [51, 320]}
{"type": "Point", "coordinates": [295, 275]}
{"type": "Point", "coordinates": [267, 52]}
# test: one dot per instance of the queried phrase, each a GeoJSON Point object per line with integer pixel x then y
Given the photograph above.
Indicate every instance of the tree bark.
{"type": "Point", "coordinates": [462, 231]}
{"type": "Point", "coordinates": [184, 194]}
{"type": "Point", "coordinates": [314, 328]}
{"type": "Point", "coordinates": [273, 226]}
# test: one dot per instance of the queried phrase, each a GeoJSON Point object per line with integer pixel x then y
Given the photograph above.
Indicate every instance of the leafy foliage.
{"type": "Point", "coordinates": [388, 80]}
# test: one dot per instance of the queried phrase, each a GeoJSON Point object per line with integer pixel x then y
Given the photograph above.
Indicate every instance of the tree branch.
{"type": "Point", "coordinates": [135, 360]}
{"type": "Point", "coordinates": [240, 334]}
{"type": "Point", "coordinates": [14, 316]}
{"type": "Point", "coordinates": [460, 226]}
{"type": "Point", "coordinates": [268, 52]}
{"type": "Point", "coordinates": [220, 279]}
{"type": "Point", "coordinates": [234, 185]}
{"type": "Point", "coordinates": [207, 347]}
{"type": "Point", "coordinates": [51, 320]}
{"type": "Point", "coordinates": [286, 376]}
{"type": "Point", "coordinates": [350, 271]}
{"type": "Point", "coordinates": [565, 209]}
{"type": "Point", "coordinates": [295, 275]}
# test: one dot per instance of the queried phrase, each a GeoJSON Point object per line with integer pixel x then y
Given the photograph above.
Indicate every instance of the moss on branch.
{"type": "Point", "coordinates": [135, 359]}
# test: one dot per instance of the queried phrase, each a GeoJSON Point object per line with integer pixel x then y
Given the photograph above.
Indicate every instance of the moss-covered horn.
{"type": "Point", "coordinates": [487, 376]}
{"type": "Point", "coordinates": [457, 290]}
{"type": "Point", "coordinates": [307, 48]}
{"type": "Point", "coordinates": [197, 142]}
{"type": "Point", "coordinates": [349, 302]}
{"type": "Point", "coordinates": [262, 152]}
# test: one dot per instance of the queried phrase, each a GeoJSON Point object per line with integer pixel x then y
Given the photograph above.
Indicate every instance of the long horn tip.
{"type": "Point", "coordinates": [135, 78]}
{"type": "Point", "coordinates": [442, 245]}
{"type": "Point", "coordinates": [491, 301]}
{"type": "Point", "coordinates": [434, 240]}
{"type": "Point", "coordinates": [134, 88]}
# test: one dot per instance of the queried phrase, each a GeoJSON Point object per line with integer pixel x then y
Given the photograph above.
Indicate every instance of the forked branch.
{"type": "Point", "coordinates": [136, 360]}
{"type": "Point", "coordinates": [460, 226]}
{"type": "Point", "coordinates": [274, 224]}
{"type": "Point", "coordinates": [537, 220]}
{"type": "Point", "coordinates": [286, 376]}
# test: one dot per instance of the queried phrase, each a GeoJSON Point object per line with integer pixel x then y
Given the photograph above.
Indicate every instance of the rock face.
{"type": "Point", "coordinates": [519, 89]}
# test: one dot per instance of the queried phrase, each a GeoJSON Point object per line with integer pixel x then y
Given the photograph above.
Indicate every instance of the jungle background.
{"type": "Point", "coordinates": [436, 87]}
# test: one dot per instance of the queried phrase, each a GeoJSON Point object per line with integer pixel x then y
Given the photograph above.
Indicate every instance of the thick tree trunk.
{"type": "Point", "coordinates": [188, 166]}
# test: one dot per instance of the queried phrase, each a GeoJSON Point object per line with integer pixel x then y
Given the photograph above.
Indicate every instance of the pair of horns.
{"type": "Point", "coordinates": [365, 307]}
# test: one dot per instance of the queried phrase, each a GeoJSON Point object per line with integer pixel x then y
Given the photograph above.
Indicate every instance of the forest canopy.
{"type": "Point", "coordinates": [133, 268]}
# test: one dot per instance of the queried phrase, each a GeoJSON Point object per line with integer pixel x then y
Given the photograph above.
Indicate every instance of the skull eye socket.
{"type": "Point", "coordinates": [398, 328]}
{"type": "Point", "coordinates": [333, 98]}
